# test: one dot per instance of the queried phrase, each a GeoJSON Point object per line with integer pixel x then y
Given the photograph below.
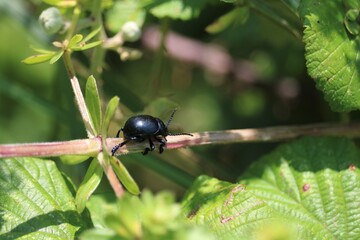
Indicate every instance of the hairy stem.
{"type": "Point", "coordinates": [271, 134]}
{"type": "Point", "coordinates": [80, 101]}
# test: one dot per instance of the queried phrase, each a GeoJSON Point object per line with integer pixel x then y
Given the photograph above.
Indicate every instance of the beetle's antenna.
{"type": "Point", "coordinates": [171, 117]}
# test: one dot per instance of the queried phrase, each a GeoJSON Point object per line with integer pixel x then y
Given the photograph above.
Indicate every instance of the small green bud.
{"type": "Point", "coordinates": [51, 20]}
{"type": "Point", "coordinates": [131, 31]}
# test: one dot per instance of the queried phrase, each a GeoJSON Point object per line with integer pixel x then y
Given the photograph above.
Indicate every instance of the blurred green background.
{"type": "Point", "coordinates": [263, 83]}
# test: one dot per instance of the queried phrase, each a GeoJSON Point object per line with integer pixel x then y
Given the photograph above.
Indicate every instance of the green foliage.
{"type": "Point", "coordinates": [332, 52]}
{"type": "Point", "coordinates": [306, 189]}
{"type": "Point", "coordinates": [89, 184]}
{"type": "Point", "coordinates": [124, 176]}
{"type": "Point", "coordinates": [76, 43]}
{"type": "Point", "coordinates": [148, 217]}
{"type": "Point", "coordinates": [109, 113]}
{"type": "Point", "coordinates": [92, 100]}
{"type": "Point", "coordinates": [36, 202]}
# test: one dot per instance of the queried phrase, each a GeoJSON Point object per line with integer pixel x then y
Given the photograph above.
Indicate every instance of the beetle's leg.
{"type": "Point", "coordinates": [152, 147]}
{"type": "Point", "coordinates": [114, 149]}
{"type": "Point", "coordinates": [118, 133]}
{"type": "Point", "coordinates": [162, 142]}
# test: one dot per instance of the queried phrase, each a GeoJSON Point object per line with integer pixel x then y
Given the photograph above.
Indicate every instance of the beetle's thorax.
{"type": "Point", "coordinates": [143, 126]}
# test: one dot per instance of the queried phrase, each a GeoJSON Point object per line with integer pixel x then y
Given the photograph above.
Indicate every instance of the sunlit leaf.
{"type": "Point", "coordinates": [332, 53]}
{"type": "Point", "coordinates": [124, 176]}
{"type": "Point", "coordinates": [307, 189]}
{"type": "Point", "coordinates": [89, 184]}
{"type": "Point", "coordinates": [92, 100]}
{"type": "Point", "coordinates": [87, 46]}
{"type": "Point", "coordinates": [75, 40]}
{"type": "Point", "coordinates": [92, 34]}
{"type": "Point", "coordinates": [56, 57]}
{"type": "Point", "coordinates": [110, 110]}
{"type": "Point", "coordinates": [36, 202]}
{"type": "Point", "coordinates": [40, 58]}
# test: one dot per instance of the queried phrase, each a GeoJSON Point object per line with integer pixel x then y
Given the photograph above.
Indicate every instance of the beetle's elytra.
{"type": "Point", "coordinates": [145, 127]}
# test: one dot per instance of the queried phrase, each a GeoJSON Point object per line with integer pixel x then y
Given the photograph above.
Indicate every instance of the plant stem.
{"type": "Point", "coordinates": [80, 101]}
{"type": "Point", "coordinates": [74, 22]}
{"type": "Point", "coordinates": [271, 134]}
{"type": "Point", "coordinates": [90, 147]}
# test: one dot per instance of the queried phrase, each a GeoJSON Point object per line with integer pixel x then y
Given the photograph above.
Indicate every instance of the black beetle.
{"type": "Point", "coordinates": [145, 127]}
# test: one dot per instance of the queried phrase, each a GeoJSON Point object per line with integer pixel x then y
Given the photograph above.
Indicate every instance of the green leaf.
{"type": "Point", "coordinates": [92, 100]}
{"type": "Point", "coordinates": [83, 47]}
{"type": "Point", "coordinates": [40, 50]}
{"type": "Point", "coordinates": [56, 57]}
{"type": "Point", "coordinates": [149, 217]}
{"type": "Point", "coordinates": [110, 110]}
{"type": "Point", "coordinates": [73, 159]}
{"type": "Point", "coordinates": [332, 54]}
{"type": "Point", "coordinates": [61, 3]}
{"type": "Point", "coordinates": [238, 14]}
{"type": "Point", "coordinates": [307, 189]}
{"type": "Point", "coordinates": [91, 181]}
{"type": "Point", "coordinates": [124, 176]}
{"type": "Point", "coordinates": [100, 205]}
{"type": "Point", "coordinates": [75, 40]}
{"type": "Point", "coordinates": [92, 34]}
{"type": "Point", "coordinates": [178, 9]}
{"type": "Point", "coordinates": [35, 201]}
{"type": "Point", "coordinates": [39, 58]}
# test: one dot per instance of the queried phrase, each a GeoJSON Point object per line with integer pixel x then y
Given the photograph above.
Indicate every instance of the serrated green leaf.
{"type": "Point", "coordinates": [92, 34]}
{"type": "Point", "coordinates": [92, 100]}
{"type": "Point", "coordinates": [35, 201]}
{"type": "Point", "coordinates": [110, 110]}
{"type": "Point", "coordinates": [332, 54]}
{"type": "Point", "coordinates": [124, 176]}
{"type": "Point", "coordinates": [307, 189]}
{"type": "Point", "coordinates": [91, 181]}
{"type": "Point", "coordinates": [56, 57]}
{"type": "Point", "coordinates": [86, 46]}
{"type": "Point", "coordinates": [75, 40]}
{"type": "Point", "coordinates": [39, 58]}
{"type": "Point", "coordinates": [239, 15]}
